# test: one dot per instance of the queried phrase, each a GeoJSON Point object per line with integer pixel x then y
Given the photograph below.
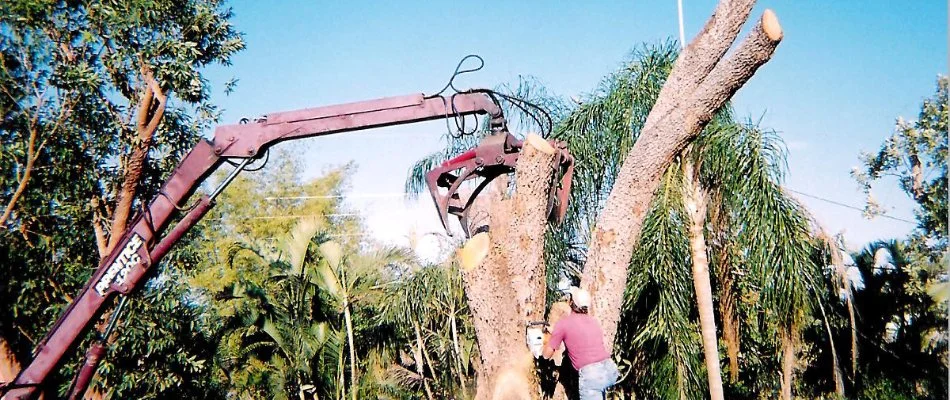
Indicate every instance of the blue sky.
{"type": "Point", "coordinates": [844, 72]}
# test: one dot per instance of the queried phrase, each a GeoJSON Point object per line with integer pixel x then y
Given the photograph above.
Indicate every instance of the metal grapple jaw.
{"type": "Point", "coordinates": [496, 155]}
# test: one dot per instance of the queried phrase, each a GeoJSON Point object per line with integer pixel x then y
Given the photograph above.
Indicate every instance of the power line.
{"type": "Point", "coordinates": [338, 196]}
{"type": "Point", "coordinates": [405, 195]}
{"type": "Point", "coordinates": [292, 216]}
{"type": "Point", "coordinates": [837, 203]}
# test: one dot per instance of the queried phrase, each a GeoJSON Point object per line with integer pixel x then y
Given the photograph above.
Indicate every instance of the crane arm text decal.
{"type": "Point", "coordinates": [121, 265]}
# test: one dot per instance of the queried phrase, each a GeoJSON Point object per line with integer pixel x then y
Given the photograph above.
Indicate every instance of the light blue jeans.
{"type": "Point", "coordinates": [594, 379]}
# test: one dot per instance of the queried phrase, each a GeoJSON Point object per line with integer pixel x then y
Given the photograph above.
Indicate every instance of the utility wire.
{"type": "Point", "coordinates": [337, 196]}
{"type": "Point", "coordinates": [403, 194]}
{"type": "Point", "coordinates": [289, 216]}
{"type": "Point", "coordinates": [846, 205]}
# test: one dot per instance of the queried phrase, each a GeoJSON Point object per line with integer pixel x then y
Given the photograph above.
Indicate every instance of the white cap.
{"type": "Point", "coordinates": [580, 297]}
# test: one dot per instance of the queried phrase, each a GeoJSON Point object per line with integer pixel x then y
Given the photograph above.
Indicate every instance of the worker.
{"type": "Point", "coordinates": [584, 339]}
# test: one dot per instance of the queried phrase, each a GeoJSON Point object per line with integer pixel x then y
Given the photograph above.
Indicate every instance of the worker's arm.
{"type": "Point", "coordinates": [548, 352]}
{"type": "Point", "coordinates": [552, 341]}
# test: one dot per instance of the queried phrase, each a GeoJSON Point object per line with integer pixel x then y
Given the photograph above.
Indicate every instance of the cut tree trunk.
{"type": "Point", "coordinates": [695, 204]}
{"type": "Point", "coordinates": [700, 82]}
{"type": "Point", "coordinates": [503, 271]}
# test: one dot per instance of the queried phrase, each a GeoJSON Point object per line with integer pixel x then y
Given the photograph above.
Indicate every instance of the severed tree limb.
{"type": "Point", "coordinates": [662, 138]}
{"type": "Point", "coordinates": [730, 74]}
{"type": "Point", "coordinates": [701, 55]}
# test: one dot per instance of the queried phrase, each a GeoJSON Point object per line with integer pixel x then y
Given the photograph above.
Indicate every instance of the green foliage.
{"type": "Point", "coordinates": [72, 77]}
{"type": "Point", "coordinates": [301, 306]}
{"type": "Point", "coordinates": [902, 338]}
{"type": "Point", "coordinates": [659, 335]}
{"type": "Point", "coordinates": [916, 155]}
{"type": "Point", "coordinates": [260, 283]}
{"type": "Point", "coordinates": [433, 298]}
{"type": "Point", "coordinates": [904, 307]}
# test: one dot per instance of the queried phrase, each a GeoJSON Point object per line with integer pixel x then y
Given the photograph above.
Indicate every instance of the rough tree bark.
{"type": "Point", "coordinates": [9, 366]}
{"type": "Point", "coordinates": [699, 84]}
{"type": "Point", "coordinates": [503, 272]}
{"type": "Point", "coordinates": [695, 203]}
{"type": "Point", "coordinates": [730, 321]}
{"type": "Point", "coordinates": [788, 362]}
{"type": "Point", "coordinates": [151, 109]}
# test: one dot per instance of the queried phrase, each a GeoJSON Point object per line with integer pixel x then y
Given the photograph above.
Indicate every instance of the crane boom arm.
{"type": "Point", "coordinates": [142, 245]}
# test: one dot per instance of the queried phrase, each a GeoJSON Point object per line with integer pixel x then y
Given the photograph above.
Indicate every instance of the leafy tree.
{"type": "Point", "coordinates": [900, 328]}
{"type": "Point", "coordinates": [428, 307]}
{"type": "Point", "coordinates": [259, 281]}
{"type": "Point", "coordinates": [93, 90]}
{"type": "Point", "coordinates": [294, 295]}
{"type": "Point", "coordinates": [916, 155]}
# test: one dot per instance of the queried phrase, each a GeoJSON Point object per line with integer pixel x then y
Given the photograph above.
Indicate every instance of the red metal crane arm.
{"type": "Point", "coordinates": [142, 245]}
{"type": "Point", "coordinates": [247, 140]}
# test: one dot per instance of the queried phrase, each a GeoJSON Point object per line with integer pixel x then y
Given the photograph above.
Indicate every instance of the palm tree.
{"type": "Point", "coordinates": [274, 331]}
{"type": "Point", "coordinates": [769, 229]}
{"type": "Point", "coordinates": [730, 178]}
{"type": "Point", "coordinates": [901, 329]}
{"type": "Point", "coordinates": [726, 188]}
{"type": "Point", "coordinates": [429, 304]}
{"type": "Point", "coordinates": [347, 279]}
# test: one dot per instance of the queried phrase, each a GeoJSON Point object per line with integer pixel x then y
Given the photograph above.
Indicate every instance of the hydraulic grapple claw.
{"type": "Point", "coordinates": [496, 155]}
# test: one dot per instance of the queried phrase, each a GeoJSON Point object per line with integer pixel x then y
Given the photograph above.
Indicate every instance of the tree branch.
{"type": "Point", "coordinates": [31, 155]}
{"type": "Point", "coordinates": [148, 121]}
{"type": "Point", "coordinates": [701, 55]}
{"type": "Point", "coordinates": [102, 243]}
{"type": "Point", "coordinates": [661, 139]}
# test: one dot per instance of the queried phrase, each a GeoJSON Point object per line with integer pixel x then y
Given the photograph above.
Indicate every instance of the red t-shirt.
{"type": "Point", "coordinates": [583, 338]}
